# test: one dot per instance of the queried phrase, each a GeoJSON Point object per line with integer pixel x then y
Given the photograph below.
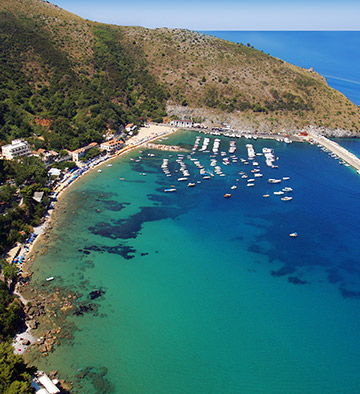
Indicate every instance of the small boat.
{"type": "Point", "coordinates": [286, 198]}
{"type": "Point", "coordinates": [250, 184]}
{"type": "Point", "coordinates": [108, 165]}
{"type": "Point", "coordinates": [227, 195]}
{"type": "Point", "coordinates": [190, 184]}
{"type": "Point", "coordinates": [293, 235]}
{"type": "Point", "coordinates": [182, 179]}
{"type": "Point", "coordinates": [99, 170]}
{"type": "Point", "coordinates": [287, 189]}
{"type": "Point", "coordinates": [233, 187]}
{"type": "Point", "coordinates": [266, 195]}
{"type": "Point", "coordinates": [279, 193]}
{"type": "Point", "coordinates": [271, 180]}
{"type": "Point", "coordinates": [286, 178]}
{"type": "Point", "coordinates": [170, 190]}
{"type": "Point", "coordinates": [50, 278]}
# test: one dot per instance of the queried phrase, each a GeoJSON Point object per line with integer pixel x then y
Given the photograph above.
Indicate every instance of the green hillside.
{"type": "Point", "coordinates": [64, 81]}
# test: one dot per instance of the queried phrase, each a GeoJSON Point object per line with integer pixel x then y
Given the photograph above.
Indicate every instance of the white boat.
{"type": "Point", "coordinates": [170, 190]}
{"type": "Point", "coordinates": [286, 178]}
{"type": "Point", "coordinates": [271, 180]}
{"type": "Point", "coordinates": [182, 179]}
{"type": "Point", "coordinates": [233, 187]}
{"type": "Point", "coordinates": [50, 278]}
{"type": "Point", "coordinates": [286, 198]}
{"type": "Point", "coordinates": [250, 184]}
{"type": "Point", "coordinates": [279, 193]}
{"type": "Point", "coordinates": [266, 195]}
{"type": "Point", "coordinates": [99, 170]}
{"type": "Point", "coordinates": [250, 150]}
{"type": "Point", "coordinates": [190, 184]}
{"type": "Point", "coordinates": [293, 235]}
{"type": "Point", "coordinates": [287, 189]}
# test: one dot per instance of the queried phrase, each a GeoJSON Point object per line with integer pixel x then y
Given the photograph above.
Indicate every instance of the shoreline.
{"type": "Point", "coordinates": [25, 340]}
{"type": "Point", "coordinates": [135, 143]}
{"type": "Point", "coordinates": [145, 136]}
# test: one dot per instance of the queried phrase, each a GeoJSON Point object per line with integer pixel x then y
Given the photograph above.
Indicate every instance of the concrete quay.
{"type": "Point", "coordinates": [340, 151]}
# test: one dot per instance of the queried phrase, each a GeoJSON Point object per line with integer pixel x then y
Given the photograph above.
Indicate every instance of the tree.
{"type": "Point", "coordinates": [15, 375]}
{"type": "Point", "coordinates": [10, 271]}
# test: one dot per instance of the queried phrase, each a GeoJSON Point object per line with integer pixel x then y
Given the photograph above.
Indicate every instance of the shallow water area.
{"type": "Point", "coordinates": [206, 294]}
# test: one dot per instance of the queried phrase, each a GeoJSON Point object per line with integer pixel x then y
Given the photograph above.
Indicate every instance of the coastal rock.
{"type": "Point", "coordinates": [49, 344]}
{"type": "Point", "coordinates": [52, 374]}
{"type": "Point", "coordinates": [33, 324]}
{"type": "Point", "coordinates": [331, 132]}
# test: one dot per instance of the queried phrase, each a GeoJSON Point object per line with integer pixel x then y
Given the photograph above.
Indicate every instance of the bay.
{"type": "Point", "coordinates": [204, 294]}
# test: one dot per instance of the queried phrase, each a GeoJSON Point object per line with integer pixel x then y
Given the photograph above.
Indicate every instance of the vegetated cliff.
{"type": "Point", "coordinates": [69, 80]}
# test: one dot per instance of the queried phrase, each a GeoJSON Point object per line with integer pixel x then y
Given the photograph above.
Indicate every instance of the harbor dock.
{"type": "Point", "coordinates": [338, 150]}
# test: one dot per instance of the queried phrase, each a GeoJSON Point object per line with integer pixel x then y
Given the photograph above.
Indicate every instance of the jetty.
{"type": "Point", "coordinates": [338, 150]}
{"type": "Point", "coordinates": [171, 148]}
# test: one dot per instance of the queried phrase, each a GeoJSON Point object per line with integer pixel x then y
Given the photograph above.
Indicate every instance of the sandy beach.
{"type": "Point", "coordinates": [146, 134]}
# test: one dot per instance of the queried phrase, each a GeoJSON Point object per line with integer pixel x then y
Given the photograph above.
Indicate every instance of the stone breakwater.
{"type": "Point", "coordinates": [340, 151]}
{"type": "Point", "coordinates": [171, 148]}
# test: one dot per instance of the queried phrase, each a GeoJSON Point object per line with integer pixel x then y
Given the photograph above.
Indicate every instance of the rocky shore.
{"type": "Point", "coordinates": [250, 124]}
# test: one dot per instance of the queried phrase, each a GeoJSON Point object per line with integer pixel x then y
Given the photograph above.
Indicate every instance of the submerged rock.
{"type": "Point", "coordinates": [96, 294]}
{"type": "Point", "coordinates": [85, 308]}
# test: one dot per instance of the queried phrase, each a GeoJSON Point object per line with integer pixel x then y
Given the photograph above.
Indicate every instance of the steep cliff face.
{"type": "Point", "coordinates": [84, 77]}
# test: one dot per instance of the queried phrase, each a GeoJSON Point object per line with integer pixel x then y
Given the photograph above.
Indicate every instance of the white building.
{"type": "Point", "coordinates": [111, 146]}
{"type": "Point", "coordinates": [17, 148]}
{"type": "Point", "coordinates": [181, 123]}
{"type": "Point", "coordinates": [78, 153]}
{"type": "Point", "coordinates": [130, 127]}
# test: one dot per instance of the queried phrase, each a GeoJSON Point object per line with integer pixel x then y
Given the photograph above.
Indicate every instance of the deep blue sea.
{"type": "Point", "coordinates": [334, 54]}
{"type": "Point", "coordinates": [204, 294]}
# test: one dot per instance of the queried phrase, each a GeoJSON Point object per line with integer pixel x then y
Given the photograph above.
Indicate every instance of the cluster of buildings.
{"type": "Point", "coordinates": [21, 148]}
{"type": "Point", "coordinates": [186, 124]}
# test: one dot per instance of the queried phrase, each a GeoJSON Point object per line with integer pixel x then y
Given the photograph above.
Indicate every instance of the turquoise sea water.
{"type": "Point", "coordinates": [205, 294]}
{"type": "Point", "coordinates": [334, 54]}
